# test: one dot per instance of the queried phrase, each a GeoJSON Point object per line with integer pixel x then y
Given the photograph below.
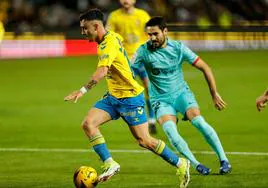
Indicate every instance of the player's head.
{"type": "Point", "coordinates": [156, 28]}
{"type": "Point", "coordinates": [126, 4]}
{"type": "Point", "coordinates": [91, 22]}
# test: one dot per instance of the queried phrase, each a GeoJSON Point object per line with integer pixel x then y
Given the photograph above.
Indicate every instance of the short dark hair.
{"type": "Point", "coordinates": [92, 14]}
{"type": "Point", "coordinates": [157, 21]}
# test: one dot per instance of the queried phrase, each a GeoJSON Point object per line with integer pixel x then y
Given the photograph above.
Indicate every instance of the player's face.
{"type": "Point", "coordinates": [89, 30]}
{"type": "Point", "coordinates": [156, 36]}
{"type": "Point", "coordinates": [127, 3]}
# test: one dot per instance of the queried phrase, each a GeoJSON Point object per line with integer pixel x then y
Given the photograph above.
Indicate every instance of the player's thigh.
{"type": "Point", "coordinates": [97, 116]}
{"type": "Point", "coordinates": [132, 110]}
{"type": "Point", "coordinates": [185, 101]}
{"type": "Point", "coordinates": [102, 112]}
{"type": "Point", "coordinates": [163, 111]}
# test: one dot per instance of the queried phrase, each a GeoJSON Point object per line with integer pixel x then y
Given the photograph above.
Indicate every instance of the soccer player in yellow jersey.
{"type": "Point", "coordinates": [2, 31]}
{"type": "Point", "coordinates": [124, 99]}
{"type": "Point", "coordinates": [129, 22]}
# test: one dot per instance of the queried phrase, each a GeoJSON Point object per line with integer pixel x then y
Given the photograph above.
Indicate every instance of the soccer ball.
{"type": "Point", "coordinates": [85, 177]}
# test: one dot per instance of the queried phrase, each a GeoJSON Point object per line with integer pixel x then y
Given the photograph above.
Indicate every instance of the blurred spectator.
{"type": "Point", "coordinates": [4, 6]}
{"type": "Point", "coordinates": [2, 31]}
{"type": "Point", "coordinates": [49, 15]}
{"type": "Point", "coordinates": [224, 16]}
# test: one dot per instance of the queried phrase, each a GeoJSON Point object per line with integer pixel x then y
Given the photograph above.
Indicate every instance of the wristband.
{"type": "Point", "coordinates": [83, 90]}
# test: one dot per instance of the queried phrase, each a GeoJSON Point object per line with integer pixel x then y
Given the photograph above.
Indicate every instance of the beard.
{"type": "Point", "coordinates": [157, 44]}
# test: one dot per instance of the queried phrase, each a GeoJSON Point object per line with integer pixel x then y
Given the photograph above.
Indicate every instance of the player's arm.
{"type": "Point", "coordinates": [107, 54]}
{"type": "Point", "coordinates": [98, 75]}
{"type": "Point", "coordinates": [202, 66]}
{"type": "Point", "coordinates": [262, 100]}
{"type": "Point", "coordinates": [194, 60]}
{"type": "Point", "coordinates": [137, 59]}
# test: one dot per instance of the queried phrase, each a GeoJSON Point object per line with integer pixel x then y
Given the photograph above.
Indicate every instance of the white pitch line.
{"type": "Point", "coordinates": [62, 150]}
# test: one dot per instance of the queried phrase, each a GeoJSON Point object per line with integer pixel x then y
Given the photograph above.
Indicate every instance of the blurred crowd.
{"type": "Point", "coordinates": [38, 16]}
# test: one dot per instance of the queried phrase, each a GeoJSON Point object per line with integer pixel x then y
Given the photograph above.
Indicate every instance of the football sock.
{"type": "Point", "coordinates": [150, 110]}
{"type": "Point", "coordinates": [166, 153]}
{"type": "Point", "coordinates": [100, 147]}
{"type": "Point", "coordinates": [109, 160]}
{"type": "Point", "coordinates": [178, 142]}
{"type": "Point", "coordinates": [210, 135]}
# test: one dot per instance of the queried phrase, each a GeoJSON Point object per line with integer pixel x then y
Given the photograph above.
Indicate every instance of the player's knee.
{"type": "Point", "coordinates": [87, 125]}
{"type": "Point", "coordinates": [192, 113]}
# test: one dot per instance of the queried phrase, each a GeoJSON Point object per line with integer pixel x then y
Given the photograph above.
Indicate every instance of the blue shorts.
{"type": "Point", "coordinates": [141, 71]}
{"type": "Point", "coordinates": [131, 109]}
{"type": "Point", "coordinates": [179, 103]}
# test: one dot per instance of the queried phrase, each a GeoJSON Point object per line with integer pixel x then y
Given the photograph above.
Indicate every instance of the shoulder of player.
{"type": "Point", "coordinates": [174, 43]}
{"type": "Point", "coordinates": [110, 39]}
{"type": "Point", "coordinates": [115, 13]}
{"type": "Point", "coordinates": [141, 12]}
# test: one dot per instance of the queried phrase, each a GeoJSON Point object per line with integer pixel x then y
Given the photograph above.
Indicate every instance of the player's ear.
{"type": "Point", "coordinates": [96, 26]}
{"type": "Point", "coordinates": [165, 31]}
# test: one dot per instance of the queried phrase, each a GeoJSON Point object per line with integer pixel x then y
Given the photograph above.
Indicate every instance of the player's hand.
{"type": "Point", "coordinates": [74, 96]}
{"type": "Point", "coordinates": [261, 102]}
{"type": "Point", "coordinates": [218, 102]}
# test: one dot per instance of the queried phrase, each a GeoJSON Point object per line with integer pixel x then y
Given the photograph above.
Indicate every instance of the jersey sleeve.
{"type": "Point", "coordinates": [189, 55]}
{"type": "Point", "coordinates": [107, 53]}
{"type": "Point", "coordinates": [137, 58]}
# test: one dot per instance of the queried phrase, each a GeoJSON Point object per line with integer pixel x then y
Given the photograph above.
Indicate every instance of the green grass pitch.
{"type": "Point", "coordinates": [35, 119]}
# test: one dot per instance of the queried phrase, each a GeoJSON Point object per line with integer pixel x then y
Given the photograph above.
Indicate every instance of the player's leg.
{"type": "Point", "coordinates": [141, 72]}
{"type": "Point", "coordinates": [188, 106]}
{"type": "Point", "coordinates": [166, 116]}
{"type": "Point", "coordinates": [96, 116]}
{"type": "Point", "coordinates": [133, 113]}
{"type": "Point", "coordinates": [193, 114]}
{"type": "Point", "coordinates": [140, 132]}
{"type": "Point", "coordinates": [151, 121]}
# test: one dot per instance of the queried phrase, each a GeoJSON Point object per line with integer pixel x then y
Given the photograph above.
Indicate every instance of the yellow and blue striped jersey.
{"type": "Point", "coordinates": [130, 26]}
{"type": "Point", "coordinates": [120, 80]}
